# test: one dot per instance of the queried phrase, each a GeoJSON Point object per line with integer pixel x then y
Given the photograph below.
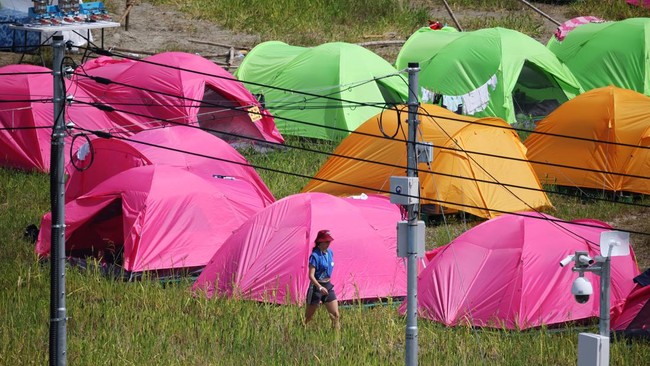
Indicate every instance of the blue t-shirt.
{"type": "Point", "coordinates": [323, 262]}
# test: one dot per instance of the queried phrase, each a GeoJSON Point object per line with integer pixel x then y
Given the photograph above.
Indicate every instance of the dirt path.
{"type": "Point", "coordinates": [155, 29]}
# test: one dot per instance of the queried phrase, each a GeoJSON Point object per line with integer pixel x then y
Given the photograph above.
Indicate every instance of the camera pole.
{"type": "Point", "coordinates": [605, 280]}
{"type": "Point", "coordinates": [58, 316]}
{"type": "Point", "coordinates": [412, 165]}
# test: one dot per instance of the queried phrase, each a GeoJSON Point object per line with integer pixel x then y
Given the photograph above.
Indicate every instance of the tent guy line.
{"type": "Point", "coordinates": [107, 135]}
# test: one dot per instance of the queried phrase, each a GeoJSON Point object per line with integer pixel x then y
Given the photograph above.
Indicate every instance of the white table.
{"type": "Point", "coordinates": [73, 27]}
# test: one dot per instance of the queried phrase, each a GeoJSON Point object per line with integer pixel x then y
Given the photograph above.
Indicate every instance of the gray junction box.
{"type": "Point", "coordinates": [404, 190]}
{"type": "Point", "coordinates": [402, 242]}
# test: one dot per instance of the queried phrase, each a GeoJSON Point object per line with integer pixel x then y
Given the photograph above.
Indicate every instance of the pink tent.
{"type": "Point", "coordinates": [644, 3]}
{"type": "Point", "coordinates": [505, 273]}
{"type": "Point", "coordinates": [158, 226]}
{"type": "Point", "coordinates": [109, 157]}
{"type": "Point", "coordinates": [632, 316]}
{"type": "Point", "coordinates": [267, 258]}
{"type": "Point", "coordinates": [27, 105]}
{"type": "Point", "coordinates": [146, 92]}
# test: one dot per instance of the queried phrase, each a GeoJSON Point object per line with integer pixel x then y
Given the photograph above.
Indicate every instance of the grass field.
{"type": "Point", "coordinates": [151, 323]}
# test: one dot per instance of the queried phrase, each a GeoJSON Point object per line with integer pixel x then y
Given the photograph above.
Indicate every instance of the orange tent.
{"type": "Point", "coordinates": [607, 114]}
{"type": "Point", "coordinates": [459, 177]}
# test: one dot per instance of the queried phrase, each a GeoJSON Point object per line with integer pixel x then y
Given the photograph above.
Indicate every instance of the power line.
{"type": "Point", "coordinates": [103, 134]}
{"type": "Point", "coordinates": [107, 81]}
{"type": "Point", "coordinates": [109, 53]}
{"type": "Point", "coordinates": [426, 114]}
{"type": "Point", "coordinates": [24, 128]}
{"type": "Point", "coordinates": [505, 185]}
{"type": "Point", "coordinates": [26, 73]}
{"type": "Point", "coordinates": [104, 52]}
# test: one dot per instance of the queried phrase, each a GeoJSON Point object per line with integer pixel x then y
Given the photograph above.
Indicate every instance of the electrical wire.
{"type": "Point", "coordinates": [111, 109]}
{"type": "Point", "coordinates": [103, 134]}
{"type": "Point", "coordinates": [110, 53]}
{"type": "Point", "coordinates": [426, 114]}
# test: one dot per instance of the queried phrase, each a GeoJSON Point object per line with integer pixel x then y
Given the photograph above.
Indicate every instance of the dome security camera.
{"type": "Point", "coordinates": [581, 290]}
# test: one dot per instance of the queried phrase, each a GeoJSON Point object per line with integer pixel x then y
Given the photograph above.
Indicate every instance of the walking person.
{"type": "Point", "coordinates": [321, 265]}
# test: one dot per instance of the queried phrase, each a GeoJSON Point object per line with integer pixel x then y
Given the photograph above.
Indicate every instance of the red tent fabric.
{"type": "Point", "coordinates": [159, 226]}
{"type": "Point", "coordinates": [188, 148]}
{"type": "Point", "coordinates": [27, 117]}
{"type": "Point", "coordinates": [180, 88]}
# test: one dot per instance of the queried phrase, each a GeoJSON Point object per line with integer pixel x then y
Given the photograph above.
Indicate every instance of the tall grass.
{"type": "Point", "coordinates": [151, 323]}
{"type": "Point", "coordinates": [308, 23]}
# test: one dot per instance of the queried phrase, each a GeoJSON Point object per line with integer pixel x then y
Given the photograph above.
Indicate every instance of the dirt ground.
{"type": "Point", "coordinates": [155, 29]}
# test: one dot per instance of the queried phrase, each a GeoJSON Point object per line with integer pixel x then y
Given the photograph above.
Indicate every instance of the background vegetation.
{"type": "Point", "coordinates": [152, 323]}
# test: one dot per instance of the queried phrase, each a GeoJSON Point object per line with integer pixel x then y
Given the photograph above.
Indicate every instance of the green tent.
{"type": "Point", "coordinates": [337, 76]}
{"type": "Point", "coordinates": [610, 53]}
{"type": "Point", "coordinates": [493, 72]}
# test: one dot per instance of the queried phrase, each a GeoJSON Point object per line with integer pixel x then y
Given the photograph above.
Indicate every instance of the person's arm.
{"type": "Point", "coordinates": [312, 278]}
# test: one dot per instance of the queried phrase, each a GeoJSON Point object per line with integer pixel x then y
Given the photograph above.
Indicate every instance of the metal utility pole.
{"type": "Point", "coordinates": [58, 316]}
{"type": "Point", "coordinates": [605, 280]}
{"type": "Point", "coordinates": [412, 165]}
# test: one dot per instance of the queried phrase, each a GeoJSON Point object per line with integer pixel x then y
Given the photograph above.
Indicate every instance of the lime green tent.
{"type": "Point", "coordinates": [337, 77]}
{"type": "Point", "coordinates": [610, 53]}
{"type": "Point", "coordinates": [494, 72]}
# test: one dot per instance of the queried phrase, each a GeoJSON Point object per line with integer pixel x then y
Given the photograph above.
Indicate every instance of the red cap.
{"type": "Point", "coordinates": [323, 235]}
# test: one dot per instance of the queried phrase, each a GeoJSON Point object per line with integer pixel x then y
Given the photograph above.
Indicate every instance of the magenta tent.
{"type": "Point", "coordinates": [644, 3]}
{"type": "Point", "coordinates": [505, 273]}
{"type": "Point", "coordinates": [157, 217]}
{"type": "Point", "coordinates": [267, 258]}
{"type": "Point", "coordinates": [632, 317]}
{"type": "Point", "coordinates": [180, 88]}
{"type": "Point", "coordinates": [27, 117]}
{"type": "Point", "coordinates": [180, 146]}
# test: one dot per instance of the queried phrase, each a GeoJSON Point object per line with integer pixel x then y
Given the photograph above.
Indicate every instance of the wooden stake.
{"type": "Point", "coordinates": [453, 17]}
{"type": "Point", "coordinates": [540, 12]}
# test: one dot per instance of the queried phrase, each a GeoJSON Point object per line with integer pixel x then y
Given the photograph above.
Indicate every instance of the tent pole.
{"type": "Point", "coordinates": [58, 316]}
{"type": "Point", "coordinates": [453, 17]}
{"type": "Point", "coordinates": [540, 12]}
{"type": "Point", "coordinates": [413, 211]}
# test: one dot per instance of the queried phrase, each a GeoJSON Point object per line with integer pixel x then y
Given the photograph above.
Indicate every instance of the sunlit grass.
{"type": "Point", "coordinates": [150, 323]}
{"type": "Point", "coordinates": [311, 22]}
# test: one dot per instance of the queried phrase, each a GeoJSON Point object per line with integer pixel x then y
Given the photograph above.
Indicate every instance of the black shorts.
{"type": "Point", "coordinates": [315, 297]}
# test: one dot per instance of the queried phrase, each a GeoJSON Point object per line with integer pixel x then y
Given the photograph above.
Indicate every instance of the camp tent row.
{"type": "Point", "coordinates": [157, 209]}
{"type": "Point", "coordinates": [479, 165]}
{"type": "Point", "coordinates": [492, 72]}
{"type": "Point", "coordinates": [169, 89]}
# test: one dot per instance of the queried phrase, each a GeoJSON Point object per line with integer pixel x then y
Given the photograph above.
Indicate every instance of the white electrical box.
{"type": "Point", "coordinates": [402, 241]}
{"type": "Point", "coordinates": [404, 190]}
{"type": "Point", "coordinates": [593, 350]}
{"type": "Point", "coordinates": [425, 152]}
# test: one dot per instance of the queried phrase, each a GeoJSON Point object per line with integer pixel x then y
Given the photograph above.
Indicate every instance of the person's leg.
{"type": "Point", "coordinates": [333, 310]}
{"type": "Point", "coordinates": [310, 310]}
